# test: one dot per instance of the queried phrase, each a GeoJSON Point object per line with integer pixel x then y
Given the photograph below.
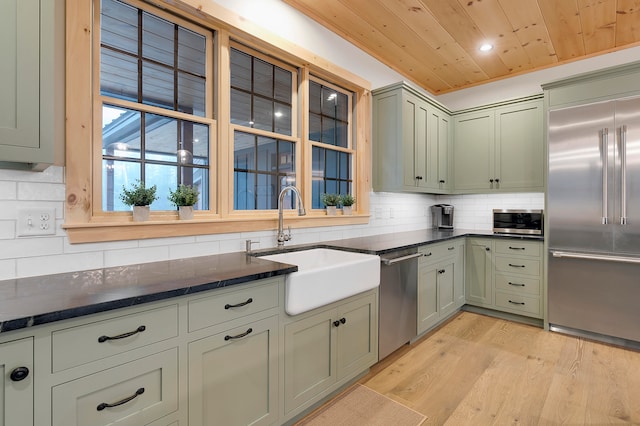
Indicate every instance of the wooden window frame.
{"type": "Point", "coordinates": [83, 225]}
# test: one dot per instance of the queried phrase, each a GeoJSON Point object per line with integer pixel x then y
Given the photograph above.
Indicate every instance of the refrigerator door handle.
{"type": "Point", "coordinates": [623, 175]}
{"type": "Point", "coordinates": [604, 153]}
{"type": "Point", "coordinates": [572, 255]}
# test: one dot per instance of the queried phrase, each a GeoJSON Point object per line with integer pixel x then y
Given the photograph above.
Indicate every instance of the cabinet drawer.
{"type": "Point", "coordinates": [513, 265]}
{"type": "Point", "coordinates": [221, 308]}
{"type": "Point", "coordinates": [86, 343]}
{"type": "Point", "coordinates": [524, 305]}
{"type": "Point", "coordinates": [140, 391]}
{"type": "Point", "coordinates": [435, 252]}
{"type": "Point", "coordinates": [517, 284]}
{"type": "Point", "coordinates": [525, 248]}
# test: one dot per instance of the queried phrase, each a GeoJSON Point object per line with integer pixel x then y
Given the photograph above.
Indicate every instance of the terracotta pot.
{"type": "Point", "coordinates": [331, 210]}
{"type": "Point", "coordinates": [140, 213]}
{"type": "Point", "coordinates": [185, 212]}
{"type": "Point", "coordinates": [347, 210]}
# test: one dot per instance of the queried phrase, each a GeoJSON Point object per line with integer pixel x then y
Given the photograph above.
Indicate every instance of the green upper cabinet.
{"type": "Point", "coordinates": [410, 141]}
{"type": "Point", "coordinates": [500, 148]}
{"type": "Point", "coordinates": [27, 45]}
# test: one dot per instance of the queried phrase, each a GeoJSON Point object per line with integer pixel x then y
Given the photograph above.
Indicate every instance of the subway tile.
{"type": "Point", "coordinates": [8, 190]}
{"type": "Point", "coordinates": [135, 255]}
{"type": "Point", "coordinates": [8, 269]}
{"type": "Point", "coordinates": [181, 251]}
{"type": "Point", "coordinates": [7, 229]}
{"type": "Point", "coordinates": [36, 191]}
{"type": "Point", "coordinates": [30, 247]}
{"type": "Point", "coordinates": [43, 265]}
{"type": "Point", "coordinates": [52, 174]}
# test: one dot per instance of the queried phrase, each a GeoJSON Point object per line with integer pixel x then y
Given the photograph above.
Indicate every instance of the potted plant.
{"type": "Point", "coordinates": [330, 201]}
{"type": "Point", "coordinates": [184, 197]}
{"type": "Point", "coordinates": [347, 201]}
{"type": "Point", "coordinates": [140, 198]}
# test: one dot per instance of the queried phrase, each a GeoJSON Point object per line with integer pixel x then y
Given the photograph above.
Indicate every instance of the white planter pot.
{"type": "Point", "coordinates": [347, 210]}
{"type": "Point", "coordinates": [332, 210]}
{"type": "Point", "coordinates": [185, 212]}
{"type": "Point", "coordinates": [140, 213]}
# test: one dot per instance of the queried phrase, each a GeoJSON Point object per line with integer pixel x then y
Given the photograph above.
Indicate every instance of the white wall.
{"type": "Point", "coordinates": [22, 257]}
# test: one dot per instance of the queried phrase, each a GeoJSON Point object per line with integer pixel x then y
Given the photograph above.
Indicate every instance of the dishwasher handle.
{"type": "Point", "coordinates": [395, 260]}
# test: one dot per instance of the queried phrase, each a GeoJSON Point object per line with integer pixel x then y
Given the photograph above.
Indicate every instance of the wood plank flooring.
{"type": "Point", "coordinates": [479, 370]}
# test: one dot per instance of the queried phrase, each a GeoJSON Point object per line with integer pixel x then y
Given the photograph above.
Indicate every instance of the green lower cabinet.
{"type": "Point", "coordinates": [325, 348]}
{"type": "Point", "coordinates": [440, 283]}
{"type": "Point", "coordinates": [479, 272]}
{"type": "Point", "coordinates": [233, 376]}
{"type": "Point", "coordinates": [16, 383]}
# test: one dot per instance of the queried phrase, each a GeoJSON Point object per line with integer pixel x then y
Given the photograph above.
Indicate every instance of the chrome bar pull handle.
{"type": "Point", "coordinates": [605, 172]}
{"type": "Point", "coordinates": [623, 175]}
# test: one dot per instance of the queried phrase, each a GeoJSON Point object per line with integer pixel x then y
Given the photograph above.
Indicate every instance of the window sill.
{"type": "Point", "coordinates": [122, 227]}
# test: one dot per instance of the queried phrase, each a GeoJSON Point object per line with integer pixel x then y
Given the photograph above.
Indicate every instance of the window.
{"type": "Point", "coordinates": [161, 95]}
{"type": "Point", "coordinates": [330, 135]}
{"type": "Point", "coordinates": [153, 91]}
{"type": "Point", "coordinates": [264, 142]}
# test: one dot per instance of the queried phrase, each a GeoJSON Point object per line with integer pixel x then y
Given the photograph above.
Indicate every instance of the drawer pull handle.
{"type": "Point", "coordinates": [239, 305]}
{"type": "Point", "coordinates": [516, 266]}
{"type": "Point", "coordinates": [516, 303]}
{"type": "Point", "coordinates": [450, 248]}
{"type": "Point", "coordinates": [516, 248]}
{"type": "Point", "coordinates": [516, 284]}
{"type": "Point", "coordinates": [19, 374]}
{"type": "Point", "coordinates": [140, 329]}
{"type": "Point", "coordinates": [104, 405]}
{"type": "Point", "coordinates": [427, 254]}
{"type": "Point", "coordinates": [239, 336]}
{"type": "Point", "coordinates": [441, 271]}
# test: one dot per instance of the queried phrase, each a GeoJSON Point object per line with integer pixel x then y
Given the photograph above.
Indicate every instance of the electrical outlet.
{"type": "Point", "coordinates": [33, 222]}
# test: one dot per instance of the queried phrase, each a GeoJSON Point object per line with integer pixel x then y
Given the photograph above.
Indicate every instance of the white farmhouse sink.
{"type": "Point", "coordinates": [325, 276]}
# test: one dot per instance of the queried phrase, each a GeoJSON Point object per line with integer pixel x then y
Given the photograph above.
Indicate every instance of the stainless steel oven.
{"type": "Point", "coordinates": [512, 221]}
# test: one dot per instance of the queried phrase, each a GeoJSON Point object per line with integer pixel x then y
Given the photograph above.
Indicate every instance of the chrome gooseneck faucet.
{"type": "Point", "coordinates": [282, 236]}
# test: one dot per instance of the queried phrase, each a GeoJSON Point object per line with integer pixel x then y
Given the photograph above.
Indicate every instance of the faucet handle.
{"type": "Point", "coordinates": [289, 237]}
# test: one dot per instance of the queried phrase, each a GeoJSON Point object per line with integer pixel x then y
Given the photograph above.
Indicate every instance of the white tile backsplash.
{"type": "Point", "coordinates": [32, 256]}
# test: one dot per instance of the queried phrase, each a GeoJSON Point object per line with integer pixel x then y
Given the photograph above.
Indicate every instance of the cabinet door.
{"type": "Point", "coordinates": [427, 297]}
{"type": "Point", "coordinates": [415, 117]}
{"type": "Point", "coordinates": [309, 354]}
{"type": "Point", "coordinates": [16, 386]}
{"type": "Point", "coordinates": [24, 99]}
{"type": "Point", "coordinates": [459, 276]}
{"type": "Point", "coordinates": [479, 272]}
{"type": "Point", "coordinates": [444, 157]}
{"type": "Point", "coordinates": [233, 376]}
{"type": "Point", "coordinates": [473, 150]}
{"type": "Point", "coordinates": [445, 276]}
{"type": "Point", "coordinates": [520, 146]}
{"type": "Point", "coordinates": [357, 335]}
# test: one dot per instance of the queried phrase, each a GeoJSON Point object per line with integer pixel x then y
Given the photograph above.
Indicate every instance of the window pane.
{"type": "Point", "coordinates": [194, 139]}
{"type": "Point", "coordinates": [157, 39]}
{"type": "Point", "coordinates": [191, 94]}
{"type": "Point", "coordinates": [118, 75]}
{"type": "Point", "coordinates": [115, 175]}
{"type": "Point", "coordinates": [262, 166]}
{"type": "Point", "coordinates": [345, 166]}
{"type": "Point", "coordinates": [315, 97]}
{"type": "Point", "coordinates": [331, 174]}
{"type": "Point", "coordinates": [165, 178]}
{"type": "Point", "coordinates": [331, 166]}
{"type": "Point", "coordinates": [191, 52]}
{"type": "Point", "coordinates": [119, 26]}
{"type": "Point", "coordinates": [315, 127]}
{"type": "Point", "coordinates": [120, 132]}
{"type": "Point", "coordinates": [328, 131]}
{"type": "Point", "coordinates": [263, 78]}
{"type": "Point", "coordinates": [261, 94]}
{"type": "Point", "coordinates": [199, 179]}
{"type": "Point", "coordinates": [328, 115]}
{"type": "Point", "coordinates": [161, 138]}
{"type": "Point", "coordinates": [157, 85]}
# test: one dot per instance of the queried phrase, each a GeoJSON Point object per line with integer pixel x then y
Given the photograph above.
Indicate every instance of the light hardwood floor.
{"type": "Point", "coordinates": [479, 370]}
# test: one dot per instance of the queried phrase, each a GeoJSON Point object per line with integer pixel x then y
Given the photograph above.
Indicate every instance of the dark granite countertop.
{"type": "Point", "coordinates": [26, 302]}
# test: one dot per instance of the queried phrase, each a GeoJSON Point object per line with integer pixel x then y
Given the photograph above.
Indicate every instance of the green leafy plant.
{"type": "Point", "coordinates": [330, 199]}
{"type": "Point", "coordinates": [347, 200]}
{"type": "Point", "coordinates": [138, 195]}
{"type": "Point", "coordinates": [184, 195]}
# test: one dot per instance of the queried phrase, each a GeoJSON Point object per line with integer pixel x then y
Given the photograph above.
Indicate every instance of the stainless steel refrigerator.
{"type": "Point", "coordinates": [593, 212]}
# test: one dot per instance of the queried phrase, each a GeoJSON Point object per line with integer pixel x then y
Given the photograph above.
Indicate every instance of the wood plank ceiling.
{"type": "Point", "coordinates": [435, 43]}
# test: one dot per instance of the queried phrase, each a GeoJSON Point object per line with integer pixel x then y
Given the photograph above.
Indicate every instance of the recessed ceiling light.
{"type": "Point", "coordinates": [486, 47]}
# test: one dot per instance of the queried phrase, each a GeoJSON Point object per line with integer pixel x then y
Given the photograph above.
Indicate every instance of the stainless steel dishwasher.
{"type": "Point", "coordinates": [397, 319]}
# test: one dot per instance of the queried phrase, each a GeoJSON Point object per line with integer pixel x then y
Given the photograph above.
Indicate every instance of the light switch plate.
{"type": "Point", "coordinates": [32, 222]}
